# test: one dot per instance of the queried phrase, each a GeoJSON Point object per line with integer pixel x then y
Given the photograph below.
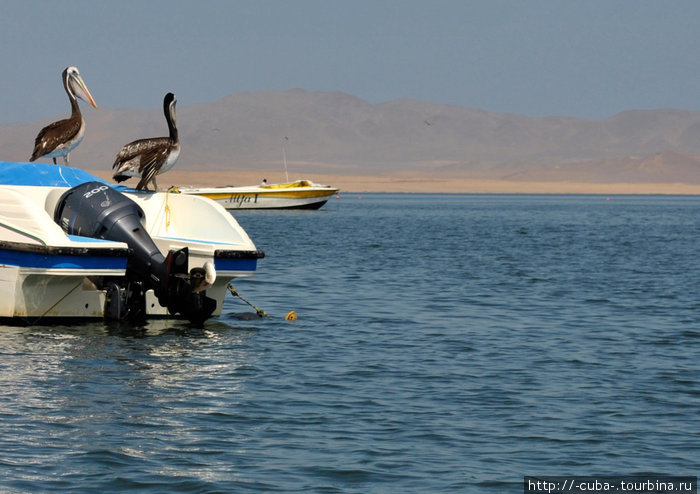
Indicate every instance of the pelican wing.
{"type": "Point", "coordinates": [53, 135]}
{"type": "Point", "coordinates": [138, 148]}
{"type": "Point", "coordinates": [151, 161]}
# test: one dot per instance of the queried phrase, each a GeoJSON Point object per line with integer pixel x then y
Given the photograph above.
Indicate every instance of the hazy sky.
{"type": "Point", "coordinates": [583, 58]}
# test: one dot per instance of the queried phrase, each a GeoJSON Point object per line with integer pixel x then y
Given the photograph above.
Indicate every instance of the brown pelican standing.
{"type": "Point", "coordinates": [60, 138]}
{"type": "Point", "coordinates": [146, 158]}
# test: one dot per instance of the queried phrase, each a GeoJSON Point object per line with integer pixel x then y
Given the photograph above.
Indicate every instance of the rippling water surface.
{"type": "Point", "coordinates": [444, 344]}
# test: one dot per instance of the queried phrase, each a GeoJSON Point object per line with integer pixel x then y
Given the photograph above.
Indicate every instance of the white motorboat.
{"type": "Point", "coordinates": [74, 246]}
{"type": "Point", "coordinates": [302, 194]}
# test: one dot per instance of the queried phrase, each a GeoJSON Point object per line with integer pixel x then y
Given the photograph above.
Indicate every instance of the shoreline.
{"type": "Point", "coordinates": [400, 183]}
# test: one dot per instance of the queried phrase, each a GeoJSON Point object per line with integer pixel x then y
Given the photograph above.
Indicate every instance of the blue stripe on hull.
{"type": "Point", "coordinates": [37, 260]}
{"type": "Point", "coordinates": [228, 264]}
{"type": "Point", "coordinates": [58, 261]}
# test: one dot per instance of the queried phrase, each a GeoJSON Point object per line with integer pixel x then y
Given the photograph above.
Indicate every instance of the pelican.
{"type": "Point", "coordinates": [146, 158]}
{"type": "Point", "coordinates": [60, 138]}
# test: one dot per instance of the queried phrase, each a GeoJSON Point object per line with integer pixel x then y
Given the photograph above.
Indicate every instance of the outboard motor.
{"type": "Point", "coordinates": [96, 210]}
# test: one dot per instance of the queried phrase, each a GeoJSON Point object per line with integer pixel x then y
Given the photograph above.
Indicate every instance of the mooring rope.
{"type": "Point", "coordinates": [235, 293]}
{"type": "Point", "coordinates": [58, 302]}
{"type": "Point", "coordinates": [291, 315]}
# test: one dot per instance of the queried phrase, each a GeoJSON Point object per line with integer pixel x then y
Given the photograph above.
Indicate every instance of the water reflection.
{"type": "Point", "coordinates": [79, 384]}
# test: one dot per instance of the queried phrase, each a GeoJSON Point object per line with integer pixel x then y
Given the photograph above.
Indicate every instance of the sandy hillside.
{"type": "Point", "coordinates": [402, 183]}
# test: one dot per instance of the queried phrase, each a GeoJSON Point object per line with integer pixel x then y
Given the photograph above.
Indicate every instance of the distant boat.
{"type": "Point", "coordinates": [302, 194]}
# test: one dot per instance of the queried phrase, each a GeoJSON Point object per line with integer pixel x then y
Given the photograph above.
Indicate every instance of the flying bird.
{"type": "Point", "coordinates": [147, 158]}
{"type": "Point", "coordinates": [60, 138]}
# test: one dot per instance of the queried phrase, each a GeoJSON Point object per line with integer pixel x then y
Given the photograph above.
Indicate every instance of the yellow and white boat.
{"type": "Point", "coordinates": [302, 194]}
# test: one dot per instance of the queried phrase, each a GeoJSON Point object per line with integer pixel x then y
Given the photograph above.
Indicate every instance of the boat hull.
{"type": "Point", "coordinates": [30, 294]}
{"type": "Point", "coordinates": [262, 201]}
{"type": "Point", "coordinates": [48, 274]}
{"type": "Point", "coordinates": [296, 195]}
{"type": "Point", "coordinates": [39, 280]}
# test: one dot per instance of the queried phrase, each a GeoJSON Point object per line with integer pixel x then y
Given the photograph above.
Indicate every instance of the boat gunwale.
{"type": "Point", "coordinates": [238, 254]}
{"type": "Point", "coordinates": [255, 189]}
{"type": "Point", "coordinates": [63, 250]}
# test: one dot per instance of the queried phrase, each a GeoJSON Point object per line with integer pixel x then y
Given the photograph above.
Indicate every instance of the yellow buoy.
{"type": "Point", "coordinates": [292, 316]}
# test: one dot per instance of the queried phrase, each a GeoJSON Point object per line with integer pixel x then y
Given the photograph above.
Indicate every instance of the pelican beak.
{"type": "Point", "coordinates": [86, 96]}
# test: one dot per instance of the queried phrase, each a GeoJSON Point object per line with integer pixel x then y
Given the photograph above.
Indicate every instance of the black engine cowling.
{"type": "Point", "coordinates": [96, 210]}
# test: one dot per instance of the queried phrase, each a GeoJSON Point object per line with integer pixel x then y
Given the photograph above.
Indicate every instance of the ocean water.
{"type": "Point", "coordinates": [445, 343]}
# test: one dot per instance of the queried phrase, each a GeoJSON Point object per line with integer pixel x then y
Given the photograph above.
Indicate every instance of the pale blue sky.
{"type": "Point", "coordinates": [582, 58]}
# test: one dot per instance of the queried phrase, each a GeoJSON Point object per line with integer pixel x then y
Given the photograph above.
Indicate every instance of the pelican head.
{"type": "Point", "coordinates": [75, 86]}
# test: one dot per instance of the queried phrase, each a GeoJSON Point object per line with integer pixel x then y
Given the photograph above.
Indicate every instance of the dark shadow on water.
{"type": "Point", "coordinates": [174, 327]}
{"type": "Point", "coordinates": [155, 327]}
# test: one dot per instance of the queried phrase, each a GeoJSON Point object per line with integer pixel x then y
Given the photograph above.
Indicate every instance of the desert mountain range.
{"type": "Point", "coordinates": [335, 133]}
